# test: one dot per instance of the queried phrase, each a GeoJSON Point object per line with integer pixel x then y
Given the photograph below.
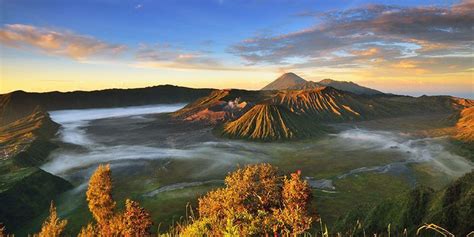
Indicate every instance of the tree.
{"type": "Point", "coordinates": [296, 197]}
{"type": "Point", "coordinates": [52, 227]}
{"type": "Point", "coordinates": [136, 219]}
{"type": "Point", "coordinates": [3, 230]}
{"type": "Point", "coordinates": [88, 231]}
{"type": "Point", "coordinates": [99, 195]}
{"type": "Point", "coordinates": [256, 201]}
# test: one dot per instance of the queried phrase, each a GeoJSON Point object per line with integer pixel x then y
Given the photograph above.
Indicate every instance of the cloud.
{"type": "Point", "coordinates": [167, 56]}
{"type": "Point", "coordinates": [54, 42]}
{"type": "Point", "coordinates": [368, 35]}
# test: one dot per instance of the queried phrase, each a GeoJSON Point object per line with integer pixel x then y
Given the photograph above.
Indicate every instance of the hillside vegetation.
{"type": "Point", "coordinates": [25, 191]}
{"type": "Point", "coordinates": [452, 208]}
{"type": "Point", "coordinates": [27, 139]}
{"type": "Point", "coordinates": [257, 201]}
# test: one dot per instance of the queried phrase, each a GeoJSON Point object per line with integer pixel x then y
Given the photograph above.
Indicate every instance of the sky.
{"type": "Point", "coordinates": [413, 47]}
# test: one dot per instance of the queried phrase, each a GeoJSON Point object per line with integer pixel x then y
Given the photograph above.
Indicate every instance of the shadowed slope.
{"type": "Point", "coordinates": [349, 86]}
{"type": "Point", "coordinates": [18, 104]}
{"type": "Point", "coordinates": [451, 207]}
{"type": "Point", "coordinates": [270, 122]}
{"type": "Point", "coordinates": [27, 139]}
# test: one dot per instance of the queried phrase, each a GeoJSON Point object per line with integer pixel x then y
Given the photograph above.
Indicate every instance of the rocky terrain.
{"type": "Point", "coordinates": [286, 114]}
{"type": "Point", "coordinates": [268, 122]}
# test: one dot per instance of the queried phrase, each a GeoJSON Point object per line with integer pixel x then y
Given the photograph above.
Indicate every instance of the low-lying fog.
{"type": "Point", "coordinates": [136, 138]}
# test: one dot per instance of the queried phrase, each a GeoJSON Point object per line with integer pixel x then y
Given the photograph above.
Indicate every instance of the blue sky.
{"type": "Point", "coordinates": [253, 40]}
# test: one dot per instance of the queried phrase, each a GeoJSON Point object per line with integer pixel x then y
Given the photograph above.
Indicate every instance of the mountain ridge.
{"type": "Point", "coordinates": [18, 104]}
{"type": "Point", "coordinates": [285, 81]}
{"type": "Point", "coordinates": [291, 81]}
{"type": "Point", "coordinates": [322, 105]}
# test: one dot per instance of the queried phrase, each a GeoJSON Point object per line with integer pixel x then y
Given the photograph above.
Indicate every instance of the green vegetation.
{"type": "Point", "coordinates": [26, 192]}
{"type": "Point", "coordinates": [256, 200]}
{"type": "Point", "coordinates": [451, 208]}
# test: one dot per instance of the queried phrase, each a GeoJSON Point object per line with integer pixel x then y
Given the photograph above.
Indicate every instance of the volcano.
{"type": "Point", "coordinates": [266, 122]}
{"type": "Point", "coordinates": [285, 81]}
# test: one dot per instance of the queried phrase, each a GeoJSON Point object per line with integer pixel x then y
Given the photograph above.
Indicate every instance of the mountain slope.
{"type": "Point", "coordinates": [332, 105]}
{"type": "Point", "coordinates": [306, 86]}
{"type": "Point", "coordinates": [465, 125]}
{"type": "Point", "coordinates": [270, 122]}
{"type": "Point", "coordinates": [18, 104]}
{"type": "Point", "coordinates": [320, 105]}
{"type": "Point", "coordinates": [221, 106]}
{"type": "Point", "coordinates": [329, 104]}
{"type": "Point", "coordinates": [285, 81]}
{"type": "Point", "coordinates": [27, 139]}
{"type": "Point", "coordinates": [25, 190]}
{"type": "Point", "coordinates": [452, 208]}
{"type": "Point", "coordinates": [292, 81]}
{"type": "Point", "coordinates": [350, 87]}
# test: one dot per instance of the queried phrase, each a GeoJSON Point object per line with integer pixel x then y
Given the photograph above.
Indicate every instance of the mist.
{"type": "Point", "coordinates": [415, 150]}
{"type": "Point", "coordinates": [96, 136]}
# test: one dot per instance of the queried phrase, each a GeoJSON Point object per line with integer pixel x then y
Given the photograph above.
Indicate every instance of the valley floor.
{"type": "Point", "coordinates": [165, 165]}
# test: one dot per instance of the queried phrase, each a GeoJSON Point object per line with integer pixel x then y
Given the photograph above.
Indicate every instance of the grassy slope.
{"type": "Point", "coordinates": [27, 139]}
{"type": "Point", "coordinates": [451, 208]}
{"type": "Point", "coordinates": [26, 192]}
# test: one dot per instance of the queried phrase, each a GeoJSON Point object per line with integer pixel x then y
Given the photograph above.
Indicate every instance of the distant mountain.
{"type": "Point", "coordinates": [308, 85]}
{"type": "Point", "coordinates": [267, 122]}
{"type": "Point", "coordinates": [350, 87]}
{"type": "Point", "coordinates": [18, 104]}
{"type": "Point", "coordinates": [285, 81]}
{"type": "Point", "coordinates": [292, 81]}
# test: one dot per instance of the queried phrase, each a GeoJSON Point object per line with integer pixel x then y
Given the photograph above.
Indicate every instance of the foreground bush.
{"type": "Point", "coordinates": [133, 221]}
{"type": "Point", "coordinates": [255, 201]}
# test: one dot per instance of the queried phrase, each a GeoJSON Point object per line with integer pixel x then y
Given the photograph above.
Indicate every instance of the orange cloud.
{"type": "Point", "coordinates": [62, 43]}
{"type": "Point", "coordinates": [405, 64]}
{"type": "Point", "coordinates": [366, 52]}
